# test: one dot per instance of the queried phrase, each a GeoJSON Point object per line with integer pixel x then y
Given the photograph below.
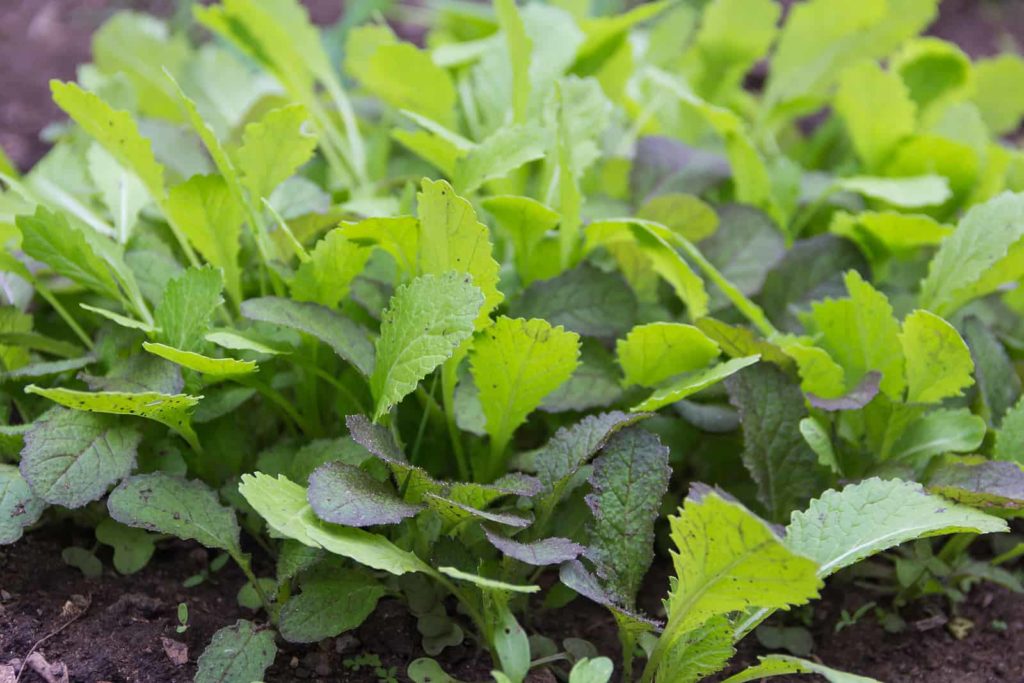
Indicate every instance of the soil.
{"type": "Point", "coordinates": [119, 628]}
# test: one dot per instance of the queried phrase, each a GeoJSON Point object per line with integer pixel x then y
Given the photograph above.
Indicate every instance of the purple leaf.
{"type": "Point", "coordinates": [538, 553]}
{"type": "Point", "coordinates": [855, 399]}
{"type": "Point", "coordinates": [344, 494]}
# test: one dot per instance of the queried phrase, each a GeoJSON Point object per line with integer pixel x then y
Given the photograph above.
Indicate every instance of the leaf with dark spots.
{"type": "Point", "coordinates": [345, 494]}
{"type": "Point", "coordinates": [630, 478]}
{"type": "Point", "coordinates": [855, 399]}
{"type": "Point", "coordinates": [19, 507]}
{"type": "Point", "coordinates": [988, 484]}
{"type": "Point", "coordinates": [237, 653]}
{"type": "Point", "coordinates": [540, 553]}
{"type": "Point", "coordinates": [374, 438]}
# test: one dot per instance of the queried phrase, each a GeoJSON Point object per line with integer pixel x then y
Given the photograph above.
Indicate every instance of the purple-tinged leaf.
{"type": "Point", "coordinates": [344, 494]}
{"type": "Point", "coordinates": [664, 165]}
{"type": "Point", "coordinates": [989, 484]}
{"type": "Point", "coordinates": [630, 478]}
{"type": "Point", "coordinates": [413, 481]}
{"type": "Point", "coordinates": [574, 575]}
{"type": "Point", "coordinates": [538, 553]}
{"type": "Point", "coordinates": [855, 399]}
{"type": "Point", "coordinates": [454, 512]}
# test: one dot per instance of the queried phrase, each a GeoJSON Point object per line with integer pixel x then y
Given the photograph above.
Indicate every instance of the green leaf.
{"type": "Point", "coordinates": [595, 384]}
{"type": "Point", "coordinates": [938, 361]}
{"type": "Point", "coordinates": [405, 77]}
{"type": "Point", "coordinates": [984, 484]}
{"type": "Point", "coordinates": [211, 367]}
{"type": "Point", "coordinates": [844, 527]}
{"type": "Point", "coordinates": [171, 505]}
{"type": "Point", "coordinates": [629, 480]}
{"type": "Point", "coordinates": [1009, 443]}
{"type": "Point", "coordinates": [281, 503]}
{"type": "Point", "coordinates": [820, 442]}
{"type": "Point", "coordinates": [237, 653]}
{"type": "Point", "coordinates": [334, 262]}
{"type": "Point", "coordinates": [48, 237]}
{"type": "Point", "coordinates": [877, 111]}
{"type": "Point", "coordinates": [519, 48]}
{"type": "Point", "coordinates": [914, 192]}
{"type": "Point", "coordinates": [426, 321]}
{"type": "Point", "coordinates": [274, 148]}
{"type": "Point", "coordinates": [210, 217]}
{"type": "Point", "coordinates": [984, 236]}
{"type": "Point", "coordinates": [501, 153]}
{"type": "Point", "coordinates": [71, 458]}
{"type": "Point", "coordinates": [546, 551]}
{"type": "Point", "coordinates": [372, 550]}
{"type": "Point", "coordinates": [684, 214]}
{"type": "Point", "coordinates": [173, 410]}
{"type": "Point", "coordinates": [133, 548]}
{"type": "Point", "coordinates": [653, 353]}
{"type": "Point", "coordinates": [344, 494]}
{"type": "Point", "coordinates": [452, 239]}
{"type": "Point", "coordinates": [725, 49]}
{"type": "Point", "coordinates": [346, 338]}
{"type": "Point", "coordinates": [596, 670]}
{"type": "Point", "coordinates": [744, 248]}
{"type": "Point", "coordinates": [699, 653]}
{"type": "Point", "coordinates": [860, 333]}
{"type": "Point", "coordinates": [774, 451]}
{"type": "Point", "coordinates": [525, 222]}
{"type": "Point", "coordinates": [999, 385]}
{"type": "Point", "coordinates": [19, 507]}
{"type": "Point", "coordinates": [781, 665]}
{"type": "Point", "coordinates": [691, 383]}
{"type": "Point", "coordinates": [516, 363]}
{"type": "Point", "coordinates": [484, 582]}
{"type": "Point", "coordinates": [511, 644]}
{"type": "Point", "coordinates": [1000, 102]}
{"type": "Point", "coordinates": [585, 300]}
{"type": "Point", "coordinates": [330, 604]}
{"type": "Point", "coordinates": [935, 71]}
{"type": "Point", "coordinates": [938, 432]}
{"type": "Point", "coordinates": [115, 130]}
{"type": "Point", "coordinates": [728, 560]}
{"type": "Point", "coordinates": [184, 313]}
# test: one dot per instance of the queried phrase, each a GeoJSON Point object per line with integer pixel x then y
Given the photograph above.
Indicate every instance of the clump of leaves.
{"type": "Point", "coordinates": [428, 322]}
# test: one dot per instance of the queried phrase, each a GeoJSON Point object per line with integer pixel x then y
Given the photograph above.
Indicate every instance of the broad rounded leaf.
{"type": "Point", "coordinates": [19, 507]}
{"type": "Point", "coordinates": [540, 553]}
{"type": "Point", "coordinates": [653, 353]}
{"type": "Point", "coordinates": [237, 653]}
{"type": "Point", "coordinates": [329, 604]}
{"type": "Point", "coordinates": [343, 494]}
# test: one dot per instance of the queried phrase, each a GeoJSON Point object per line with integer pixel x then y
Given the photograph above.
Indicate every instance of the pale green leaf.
{"type": "Point", "coordinates": [501, 153]}
{"type": "Point", "coordinates": [115, 130]}
{"type": "Point", "coordinates": [936, 72]}
{"type": "Point", "coordinates": [877, 111]}
{"type": "Point", "coordinates": [122, 320]}
{"type": "Point", "coordinates": [938, 362]}
{"type": "Point", "coordinates": [71, 458]}
{"type": "Point", "coordinates": [211, 367]}
{"type": "Point", "coordinates": [937, 432]}
{"type": "Point", "coordinates": [912, 192]}
{"type": "Point", "coordinates": [733, 36]}
{"type": "Point", "coordinates": [426, 321]}
{"type": "Point", "coordinates": [167, 504]}
{"type": "Point", "coordinates": [189, 301]}
{"type": "Point", "coordinates": [452, 239]}
{"type": "Point", "coordinates": [490, 584]}
{"type": "Point", "coordinates": [728, 560]}
{"type": "Point", "coordinates": [19, 507]}
{"type": "Point", "coordinates": [281, 503]}
{"type": "Point", "coordinates": [334, 262]}
{"type": "Point", "coordinates": [405, 77]}
{"type": "Point", "coordinates": [996, 93]}
{"type": "Point", "coordinates": [516, 363]}
{"type": "Point", "coordinates": [820, 442]}
{"type": "Point", "coordinates": [237, 653]}
{"type": "Point", "coordinates": [781, 665]}
{"type": "Point", "coordinates": [693, 382]}
{"type": "Point", "coordinates": [274, 148]}
{"type": "Point", "coordinates": [519, 48]}
{"type": "Point", "coordinates": [210, 217]}
{"type": "Point", "coordinates": [123, 194]}
{"type": "Point", "coordinates": [133, 548]}
{"type": "Point", "coordinates": [653, 353]}
{"type": "Point", "coordinates": [372, 550]}
{"type": "Point", "coordinates": [398, 236]}
{"type": "Point", "coordinates": [173, 410]}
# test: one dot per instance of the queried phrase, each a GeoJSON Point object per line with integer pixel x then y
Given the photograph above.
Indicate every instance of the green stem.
{"type": "Point", "coordinates": [243, 562]}
{"type": "Point", "coordinates": [413, 457]}
{"type": "Point", "coordinates": [279, 400]}
{"type": "Point", "coordinates": [63, 313]}
{"type": "Point", "coordinates": [448, 381]}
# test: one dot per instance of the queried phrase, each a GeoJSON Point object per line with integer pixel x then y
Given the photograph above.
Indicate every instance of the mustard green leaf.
{"type": "Point", "coordinates": [346, 338]}
{"type": "Point", "coordinates": [685, 214]}
{"type": "Point", "coordinates": [1000, 102]}
{"type": "Point", "coordinates": [727, 560]}
{"type": "Point", "coordinates": [983, 237]}
{"type": "Point", "coordinates": [405, 77]}
{"type": "Point", "coordinates": [629, 480]}
{"type": "Point", "coordinates": [733, 36]}
{"type": "Point", "coordinates": [211, 367]}
{"type": "Point", "coordinates": [398, 236]}
{"type": "Point", "coordinates": [173, 410]}
{"type": "Point", "coordinates": [860, 333]}
{"type": "Point", "coordinates": [781, 665]}
{"type": "Point", "coordinates": [999, 385]}
{"type": "Point", "coordinates": [876, 109]}
{"type": "Point", "coordinates": [274, 148]}
{"type": "Point", "coordinates": [345, 494]}
{"type": "Point", "coordinates": [939, 431]}
{"type": "Point", "coordinates": [519, 48]}
{"type": "Point", "coordinates": [239, 652]}
{"type": "Point", "coordinates": [699, 653]}
{"type": "Point", "coordinates": [210, 217]}
{"type": "Point", "coordinates": [189, 301]}
{"type": "Point", "coordinates": [373, 550]}
{"type": "Point", "coordinates": [499, 154]}
{"type": "Point", "coordinates": [516, 363]}
{"type": "Point", "coordinates": [133, 548]}
{"type": "Point", "coordinates": [984, 484]}
{"type": "Point", "coordinates": [820, 442]}
{"type": "Point", "coordinates": [938, 362]}
{"type": "Point", "coordinates": [19, 506]}
{"type": "Point", "coordinates": [426, 321]}
{"type": "Point", "coordinates": [911, 192]}
{"type": "Point", "coordinates": [115, 130]}
{"type": "Point", "coordinates": [820, 375]}
{"type": "Point", "coordinates": [585, 300]}
{"type": "Point", "coordinates": [781, 463]}
{"type": "Point", "coordinates": [452, 239]}
{"type": "Point", "coordinates": [122, 192]}
{"type": "Point", "coordinates": [281, 503]}
{"type": "Point", "coordinates": [71, 458]}
{"type": "Point", "coordinates": [1009, 443]}
{"type": "Point", "coordinates": [541, 553]}
{"type": "Point", "coordinates": [653, 353]}
{"type": "Point", "coordinates": [167, 504]}
{"type": "Point", "coordinates": [330, 604]}
{"type": "Point", "coordinates": [693, 382]}
{"type": "Point", "coordinates": [335, 261]}
{"type": "Point", "coordinates": [934, 70]}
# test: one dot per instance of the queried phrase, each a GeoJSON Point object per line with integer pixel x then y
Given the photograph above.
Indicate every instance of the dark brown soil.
{"type": "Point", "coordinates": [119, 637]}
